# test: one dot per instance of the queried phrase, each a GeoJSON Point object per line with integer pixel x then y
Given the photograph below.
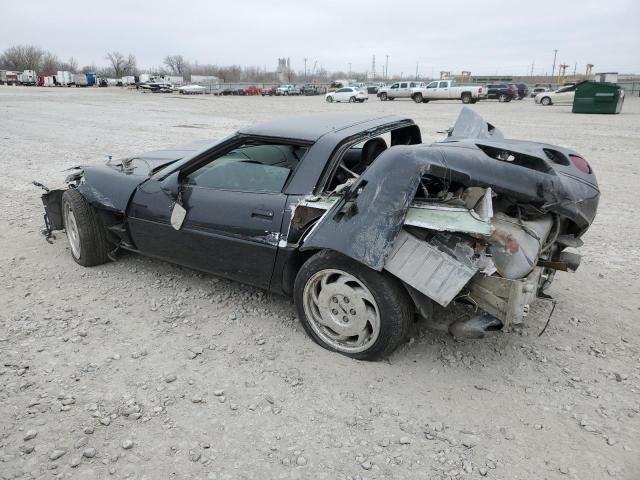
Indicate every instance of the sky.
{"type": "Point", "coordinates": [486, 38]}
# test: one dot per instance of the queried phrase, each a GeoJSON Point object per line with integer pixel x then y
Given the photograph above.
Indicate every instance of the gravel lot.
{"type": "Point", "coordinates": [140, 369]}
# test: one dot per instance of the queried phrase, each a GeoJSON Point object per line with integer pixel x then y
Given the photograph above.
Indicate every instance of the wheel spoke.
{"type": "Point", "coordinates": [341, 310]}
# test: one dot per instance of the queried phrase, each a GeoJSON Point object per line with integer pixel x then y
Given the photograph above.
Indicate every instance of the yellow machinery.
{"type": "Point", "coordinates": [562, 70]}
{"type": "Point", "coordinates": [587, 72]}
{"type": "Point", "coordinates": [463, 76]}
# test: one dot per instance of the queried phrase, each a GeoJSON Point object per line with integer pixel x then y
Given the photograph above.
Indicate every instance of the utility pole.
{"type": "Point", "coordinates": [373, 68]}
{"type": "Point", "coordinates": [533, 64]}
{"type": "Point", "coordinates": [386, 69]}
{"type": "Point", "coordinates": [305, 69]}
{"type": "Point", "coordinates": [417, 64]}
{"type": "Point", "coordinates": [349, 70]}
{"type": "Point", "coordinates": [553, 69]}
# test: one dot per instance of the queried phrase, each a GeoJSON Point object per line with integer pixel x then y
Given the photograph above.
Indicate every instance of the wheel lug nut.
{"type": "Point", "coordinates": [345, 318]}
{"type": "Point", "coordinates": [352, 311]}
{"type": "Point", "coordinates": [334, 311]}
{"type": "Point", "coordinates": [346, 299]}
{"type": "Point", "coordinates": [335, 300]}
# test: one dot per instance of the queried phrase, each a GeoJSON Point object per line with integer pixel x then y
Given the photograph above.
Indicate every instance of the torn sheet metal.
{"type": "Point", "coordinates": [430, 216]}
{"type": "Point", "coordinates": [471, 125]}
{"type": "Point", "coordinates": [436, 274]}
{"type": "Point", "coordinates": [450, 219]}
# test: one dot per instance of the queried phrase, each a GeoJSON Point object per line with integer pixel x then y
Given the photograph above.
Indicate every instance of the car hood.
{"type": "Point", "coordinates": [110, 186]}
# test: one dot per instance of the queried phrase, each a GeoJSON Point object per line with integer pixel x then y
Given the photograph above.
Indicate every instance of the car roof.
{"type": "Point", "coordinates": [312, 127]}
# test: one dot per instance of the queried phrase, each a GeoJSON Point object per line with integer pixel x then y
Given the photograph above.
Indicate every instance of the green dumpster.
{"type": "Point", "coordinates": [598, 97]}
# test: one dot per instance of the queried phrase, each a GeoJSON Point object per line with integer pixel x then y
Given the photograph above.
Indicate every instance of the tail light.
{"type": "Point", "coordinates": [480, 91]}
{"type": "Point", "coordinates": [580, 163]}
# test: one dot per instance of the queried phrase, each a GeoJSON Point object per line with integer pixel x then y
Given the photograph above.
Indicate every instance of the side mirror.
{"type": "Point", "coordinates": [171, 185]}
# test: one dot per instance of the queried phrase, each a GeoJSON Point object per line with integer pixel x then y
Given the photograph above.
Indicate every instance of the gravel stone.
{"type": "Point", "coordinates": [56, 454]}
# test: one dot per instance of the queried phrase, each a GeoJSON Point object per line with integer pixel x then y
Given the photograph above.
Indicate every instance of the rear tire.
{"type": "Point", "coordinates": [502, 97]}
{"type": "Point", "coordinates": [375, 305]}
{"type": "Point", "coordinates": [86, 233]}
{"type": "Point", "coordinates": [418, 98]}
{"type": "Point", "coordinates": [466, 98]}
{"type": "Point", "coordinates": [352, 100]}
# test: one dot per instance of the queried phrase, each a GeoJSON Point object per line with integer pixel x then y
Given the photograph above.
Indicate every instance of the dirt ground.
{"type": "Point", "coordinates": [140, 369]}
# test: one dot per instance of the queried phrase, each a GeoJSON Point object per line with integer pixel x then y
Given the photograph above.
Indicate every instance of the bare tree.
{"type": "Point", "coordinates": [177, 64]}
{"type": "Point", "coordinates": [130, 67]}
{"type": "Point", "coordinates": [89, 69]}
{"type": "Point", "coordinates": [72, 64]}
{"type": "Point", "coordinates": [49, 64]}
{"type": "Point", "coordinates": [117, 61]}
{"type": "Point", "coordinates": [22, 57]}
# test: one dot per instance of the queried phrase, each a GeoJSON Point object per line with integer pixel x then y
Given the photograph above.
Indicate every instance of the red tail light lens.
{"type": "Point", "coordinates": [580, 163]}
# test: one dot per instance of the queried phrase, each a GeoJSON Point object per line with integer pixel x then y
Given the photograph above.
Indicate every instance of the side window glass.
{"type": "Point", "coordinates": [403, 85]}
{"type": "Point", "coordinates": [395, 85]}
{"type": "Point", "coordinates": [433, 85]}
{"type": "Point", "coordinates": [258, 168]}
{"type": "Point", "coordinates": [444, 84]}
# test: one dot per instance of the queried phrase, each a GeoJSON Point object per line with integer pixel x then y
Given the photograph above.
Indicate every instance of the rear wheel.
{"type": "Point", "coordinates": [330, 99]}
{"type": "Point", "coordinates": [502, 97]}
{"type": "Point", "coordinates": [383, 96]}
{"type": "Point", "coordinates": [352, 100]}
{"type": "Point", "coordinates": [466, 98]}
{"type": "Point", "coordinates": [351, 309]}
{"type": "Point", "coordinates": [545, 101]}
{"type": "Point", "coordinates": [418, 98]}
{"type": "Point", "coordinates": [86, 234]}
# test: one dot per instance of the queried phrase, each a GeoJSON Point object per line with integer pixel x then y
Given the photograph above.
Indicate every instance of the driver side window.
{"type": "Point", "coordinates": [258, 168]}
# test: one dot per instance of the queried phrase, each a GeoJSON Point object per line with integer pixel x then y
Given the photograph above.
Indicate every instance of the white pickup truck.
{"type": "Point", "coordinates": [447, 90]}
{"type": "Point", "coordinates": [398, 90]}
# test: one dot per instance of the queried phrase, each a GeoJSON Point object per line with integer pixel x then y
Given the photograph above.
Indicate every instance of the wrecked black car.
{"type": "Point", "coordinates": [365, 226]}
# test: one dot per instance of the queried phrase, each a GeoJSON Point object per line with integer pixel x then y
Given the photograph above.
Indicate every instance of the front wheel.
{"type": "Point", "coordinates": [383, 96]}
{"type": "Point", "coordinates": [86, 233]}
{"type": "Point", "coordinates": [417, 98]}
{"type": "Point", "coordinates": [351, 309]}
{"type": "Point", "coordinates": [330, 99]}
{"type": "Point", "coordinates": [545, 101]}
{"type": "Point", "coordinates": [352, 100]}
{"type": "Point", "coordinates": [502, 98]}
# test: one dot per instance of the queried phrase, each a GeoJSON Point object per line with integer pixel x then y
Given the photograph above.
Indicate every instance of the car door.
{"type": "Point", "coordinates": [443, 90]}
{"type": "Point", "coordinates": [564, 96]}
{"type": "Point", "coordinates": [341, 94]}
{"type": "Point", "coordinates": [394, 91]}
{"type": "Point", "coordinates": [403, 91]}
{"type": "Point", "coordinates": [234, 209]}
{"type": "Point", "coordinates": [432, 90]}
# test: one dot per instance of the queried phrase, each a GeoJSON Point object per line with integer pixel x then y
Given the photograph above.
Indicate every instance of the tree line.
{"type": "Point", "coordinates": [30, 57]}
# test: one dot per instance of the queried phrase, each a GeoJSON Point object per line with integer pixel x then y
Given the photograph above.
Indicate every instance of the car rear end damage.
{"type": "Point", "coordinates": [480, 219]}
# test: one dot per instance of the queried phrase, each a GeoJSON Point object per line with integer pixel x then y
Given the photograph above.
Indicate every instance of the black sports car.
{"type": "Point", "coordinates": [350, 214]}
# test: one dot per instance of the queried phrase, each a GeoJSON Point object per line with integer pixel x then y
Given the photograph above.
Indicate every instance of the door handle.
{"type": "Point", "coordinates": [259, 213]}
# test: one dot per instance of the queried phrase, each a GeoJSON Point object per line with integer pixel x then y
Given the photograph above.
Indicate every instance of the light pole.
{"type": "Point", "coordinates": [553, 69]}
{"type": "Point", "coordinates": [305, 70]}
{"type": "Point", "coordinates": [386, 69]}
{"type": "Point", "coordinates": [349, 70]}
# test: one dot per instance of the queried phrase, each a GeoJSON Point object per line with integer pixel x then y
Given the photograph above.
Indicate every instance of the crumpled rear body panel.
{"type": "Point", "coordinates": [365, 222]}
